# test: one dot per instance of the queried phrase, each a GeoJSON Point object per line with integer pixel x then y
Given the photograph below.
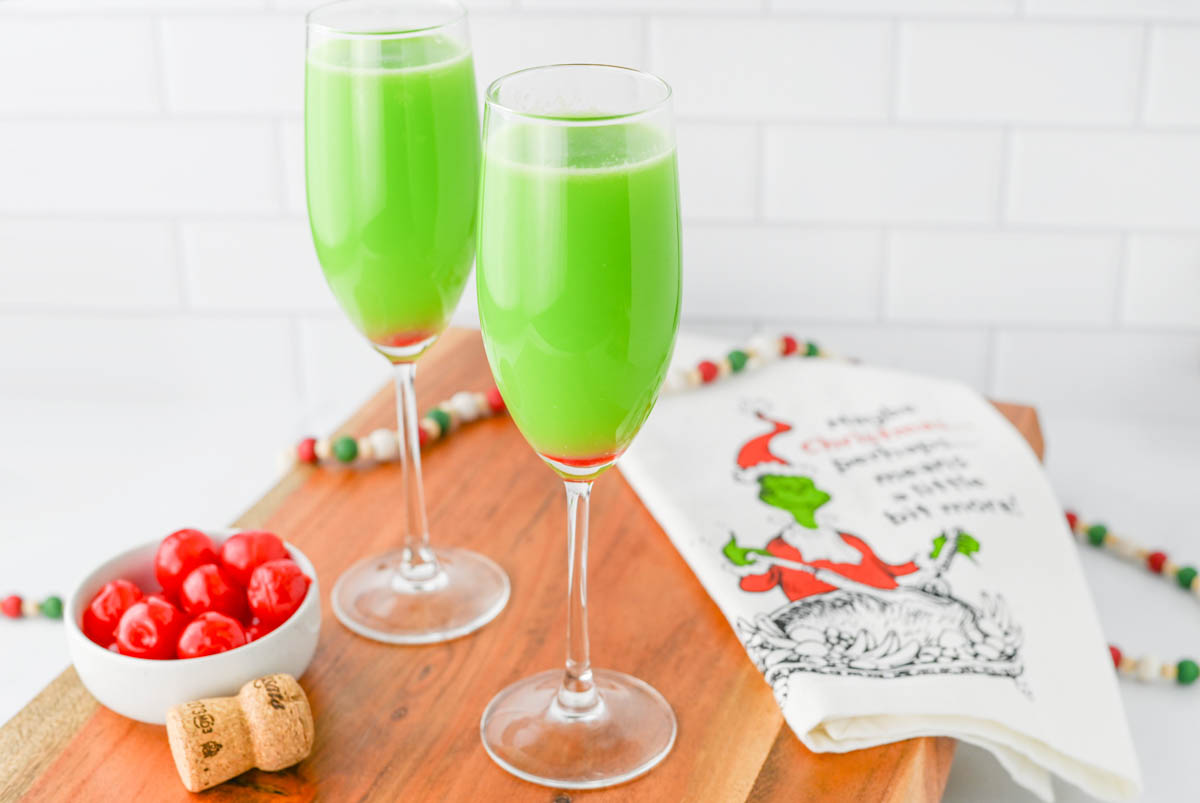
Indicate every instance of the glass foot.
{"type": "Point", "coordinates": [526, 732]}
{"type": "Point", "coordinates": [375, 601]}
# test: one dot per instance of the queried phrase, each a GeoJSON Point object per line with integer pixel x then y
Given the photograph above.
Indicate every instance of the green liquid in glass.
{"type": "Point", "coordinates": [392, 160]}
{"type": "Point", "coordinates": [579, 281]}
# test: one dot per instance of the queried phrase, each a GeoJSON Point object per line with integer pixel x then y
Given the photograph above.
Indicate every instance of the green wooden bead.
{"type": "Point", "coordinates": [811, 349]}
{"type": "Point", "coordinates": [345, 449]}
{"type": "Point", "coordinates": [52, 608]}
{"type": "Point", "coordinates": [1186, 672]}
{"type": "Point", "coordinates": [442, 418]}
{"type": "Point", "coordinates": [1185, 576]}
{"type": "Point", "coordinates": [737, 360]}
{"type": "Point", "coordinates": [1096, 533]}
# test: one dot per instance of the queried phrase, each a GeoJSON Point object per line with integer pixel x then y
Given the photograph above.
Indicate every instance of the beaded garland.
{"type": "Point", "coordinates": [1147, 668]}
{"type": "Point", "coordinates": [383, 445]}
{"type": "Point", "coordinates": [758, 351]}
{"type": "Point", "coordinates": [14, 607]}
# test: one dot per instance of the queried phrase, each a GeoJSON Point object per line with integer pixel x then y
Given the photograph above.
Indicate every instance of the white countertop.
{"type": "Point", "coordinates": [120, 474]}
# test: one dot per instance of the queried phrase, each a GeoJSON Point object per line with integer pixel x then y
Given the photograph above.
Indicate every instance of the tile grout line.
{"type": "Point", "coordinates": [755, 12]}
{"type": "Point", "coordinates": [299, 372]}
{"type": "Point", "coordinates": [957, 227]}
{"type": "Point", "coordinates": [1122, 282]}
{"type": "Point", "coordinates": [1142, 96]}
{"type": "Point", "coordinates": [647, 22]}
{"type": "Point", "coordinates": [158, 34]}
{"type": "Point", "coordinates": [834, 121]}
{"type": "Point", "coordinates": [982, 225]}
{"type": "Point", "coordinates": [1190, 332]}
{"type": "Point", "coordinates": [894, 60]}
{"type": "Point", "coordinates": [990, 362]}
{"type": "Point", "coordinates": [885, 274]}
{"type": "Point", "coordinates": [281, 166]}
{"type": "Point", "coordinates": [1004, 179]}
{"type": "Point", "coordinates": [182, 275]}
{"type": "Point", "coordinates": [760, 177]}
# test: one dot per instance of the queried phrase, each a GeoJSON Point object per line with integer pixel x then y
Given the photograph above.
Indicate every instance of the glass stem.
{"type": "Point", "coordinates": [417, 562]}
{"type": "Point", "coordinates": [577, 695]}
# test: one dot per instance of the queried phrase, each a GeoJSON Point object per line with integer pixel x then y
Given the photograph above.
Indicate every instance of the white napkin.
{"type": "Point", "coordinates": [890, 553]}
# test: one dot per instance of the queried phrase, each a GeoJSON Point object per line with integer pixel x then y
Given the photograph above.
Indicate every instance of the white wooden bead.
{"type": "Point", "coordinates": [1119, 546]}
{"type": "Point", "coordinates": [384, 444]}
{"type": "Point", "coordinates": [462, 404]}
{"type": "Point", "coordinates": [323, 448]}
{"type": "Point", "coordinates": [674, 382]}
{"type": "Point", "coordinates": [482, 409]}
{"type": "Point", "coordinates": [766, 348]}
{"type": "Point", "coordinates": [29, 607]}
{"type": "Point", "coordinates": [365, 452]}
{"type": "Point", "coordinates": [287, 459]}
{"type": "Point", "coordinates": [1149, 669]}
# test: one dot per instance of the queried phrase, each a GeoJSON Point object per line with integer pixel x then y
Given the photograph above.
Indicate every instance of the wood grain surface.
{"type": "Point", "coordinates": [402, 723]}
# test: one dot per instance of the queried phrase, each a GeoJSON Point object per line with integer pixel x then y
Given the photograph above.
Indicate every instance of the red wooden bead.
{"type": "Point", "coordinates": [790, 345]}
{"type": "Point", "coordinates": [1115, 652]}
{"type": "Point", "coordinates": [306, 450]}
{"type": "Point", "coordinates": [708, 371]}
{"type": "Point", "coordinates": [1072, 520]}
{"type": "Point", "coordinates": [1155, 561]}
{"type": "Point", "coordinates": [495, 400]}
{"type": "Point", "coordinates": [10, 606]}
{"type": "Point", "coordinates": [422, 436]}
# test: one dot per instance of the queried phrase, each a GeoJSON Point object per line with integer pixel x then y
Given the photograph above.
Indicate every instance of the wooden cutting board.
{"type": "Point", "coordinates": [402, 723]}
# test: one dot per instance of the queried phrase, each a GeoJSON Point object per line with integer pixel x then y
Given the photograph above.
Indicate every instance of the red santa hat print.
{"type": "Point", "coordinates": [756, 457]}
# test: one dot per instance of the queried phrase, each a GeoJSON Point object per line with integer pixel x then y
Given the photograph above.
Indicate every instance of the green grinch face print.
{"type": "Point", "coordinates": [851, 610]}
{"type": "Point", "coordinates": [797, 495]}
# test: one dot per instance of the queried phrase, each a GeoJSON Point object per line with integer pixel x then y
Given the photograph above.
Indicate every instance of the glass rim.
{"type": "Point", "coordinates": [457, 10]}
{"type": "Point", "coordinates": [490, 96]}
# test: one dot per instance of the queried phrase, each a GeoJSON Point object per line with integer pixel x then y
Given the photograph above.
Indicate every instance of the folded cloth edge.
{"type": "Point", "coordinates": [1028, 761]}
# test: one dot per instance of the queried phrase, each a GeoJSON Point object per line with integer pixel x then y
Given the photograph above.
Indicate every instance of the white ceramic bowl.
{"type": "Point", "coordinates": [143, 689]}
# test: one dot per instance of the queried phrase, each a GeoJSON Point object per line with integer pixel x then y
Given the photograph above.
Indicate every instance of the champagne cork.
{"type": "Point", "coordinates": [268, 725]}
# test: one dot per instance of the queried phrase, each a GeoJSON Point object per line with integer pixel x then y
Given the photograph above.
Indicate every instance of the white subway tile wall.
{"type": "Point", "coordinates": [1002, 191]}
{"type": "Point", "coordinates": [41, 60]}
{"type": "Point", "coordinates": [1019, 72]}
{"type": "Point", "coordinates": [1162, 287]}
{"type": "Point", "coordinates": [1174, 96]}
{"type": "Point", "coordinates": [215, 66]}
{"type": "Point", "coordinates": [253, 265]}
{"type": "Point", "coordinates": [785, 68]}
{"type": "Point", "coordinates": [889, 174]}
{"type": "Point", "coordinates": [985, 277]}
{"type": "Point", "coordinates": [733, 271]}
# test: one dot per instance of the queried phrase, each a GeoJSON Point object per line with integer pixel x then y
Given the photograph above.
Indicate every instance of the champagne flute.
{"type": "Point", "coordinates": [579, 290]}
{"type": "Point", "coordinates": [392, 165]}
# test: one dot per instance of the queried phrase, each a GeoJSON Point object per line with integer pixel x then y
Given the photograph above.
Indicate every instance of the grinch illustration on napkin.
{"type": "Point", "coordinates": [890, 554]}
{"type": "Point", "coordinates": [849, 611]}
